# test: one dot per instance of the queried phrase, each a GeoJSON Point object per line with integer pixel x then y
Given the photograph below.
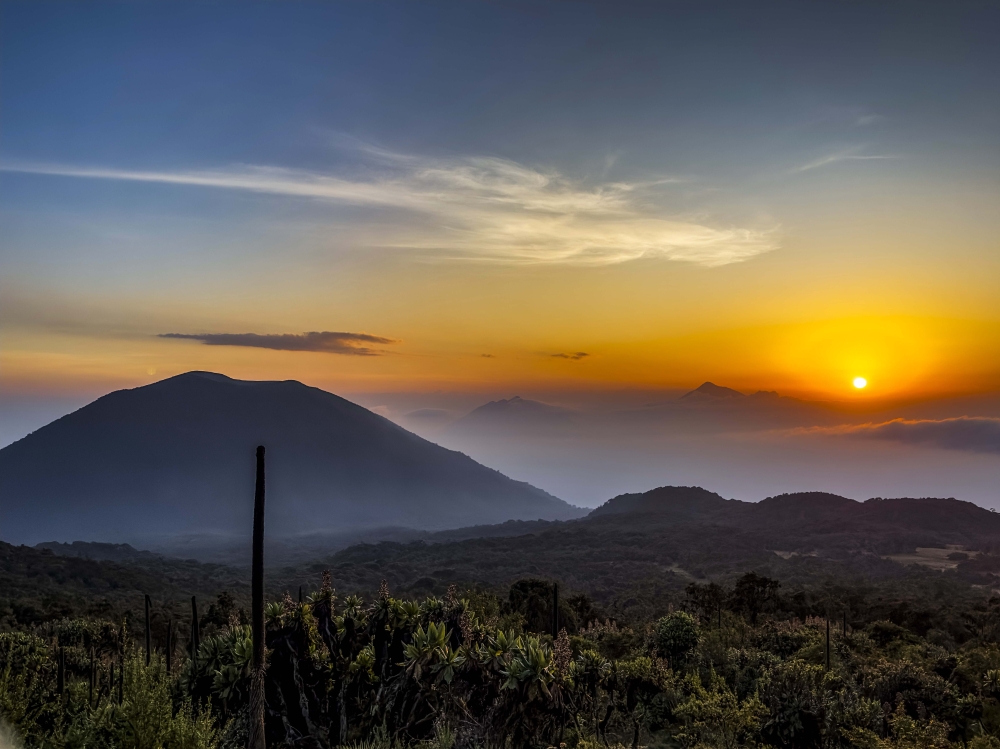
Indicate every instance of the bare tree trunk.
{"type": "Point", "coordinates": [342, 709]}
{"type": "Point", "coordinates": [257, 612]}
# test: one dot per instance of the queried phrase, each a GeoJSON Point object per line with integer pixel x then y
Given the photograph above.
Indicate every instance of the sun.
{"type": "Point", "coordinates": [860, 382]}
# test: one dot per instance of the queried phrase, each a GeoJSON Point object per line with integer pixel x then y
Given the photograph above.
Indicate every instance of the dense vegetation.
{"type": "Point", "coordinates": [750, 665]}
{"type": "Point", "coordinates": [38, 586]}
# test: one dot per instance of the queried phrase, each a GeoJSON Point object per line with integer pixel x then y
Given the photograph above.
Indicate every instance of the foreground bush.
{"type": "Point", "coordinates": [144, 718]}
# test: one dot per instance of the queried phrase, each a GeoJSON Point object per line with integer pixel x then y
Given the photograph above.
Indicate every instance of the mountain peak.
{"type": "Point", "coordinates": [510, 413]}
{"type": "Point", "coordinates": [215, 376]}
{"type": "Point", "coordinates": [682, 502]}
{"type": "Point", "coordinates": [516, 405]}
{"type": "Point", "coordinates": [709, 390]}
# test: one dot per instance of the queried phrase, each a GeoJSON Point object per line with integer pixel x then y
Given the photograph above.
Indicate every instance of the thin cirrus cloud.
{"type": "Point", "coordinates": [855, 153]}
{"type": "Point", "coordinates": [352, 344]}
{"type": "Point", "coordinates": [971, 433]}
{"type": "Point", "coordinates": [484, 208]}
{"type": "Point", "coordinates": [574, 356]}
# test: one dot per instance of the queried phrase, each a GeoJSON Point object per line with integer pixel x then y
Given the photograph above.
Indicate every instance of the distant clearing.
{"type": "Point", "coordinates": [790, 554]}
{"type": "Point", "coordinates": [935, 559]}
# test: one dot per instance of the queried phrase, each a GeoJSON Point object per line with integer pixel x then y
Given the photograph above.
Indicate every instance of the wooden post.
{"type": "Point", "coordinates": [61, 671]}
{"type": "Point", "coordinates": [195, 629]}
{"type": "Point", "coordinates": [257, 612]}
{"type": "Point", "coordinates": [149, 643]}
{"type": "Point", "coordinates": [555, 610]}
{"type": "Point", "coordinates": [828, 643]}
{"type": "Point", "coordinates": [93, 676]}
{"type": "Point", "coordinates": [170, 638]}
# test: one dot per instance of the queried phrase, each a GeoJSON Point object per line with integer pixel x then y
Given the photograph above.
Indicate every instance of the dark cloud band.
{"type": "Point", "coordinates": [575, 356]}
{"type": "Point", "coordinates": [327, 342]}
{"type": "Point", "coordinates": [972, 433]}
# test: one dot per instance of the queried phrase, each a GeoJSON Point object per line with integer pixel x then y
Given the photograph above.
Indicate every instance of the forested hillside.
{"type": "Point", "coordinates": [675, 618]}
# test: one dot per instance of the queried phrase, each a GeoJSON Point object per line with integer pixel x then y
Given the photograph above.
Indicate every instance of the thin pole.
{"type": "Point", "coordinates": [555, 610]}
{"type": "Point", "coordinates": [195, 629]}
{"type": "Point", "coordinates": [170, 638]}
{"type": "Point", "coordinates": [828, 643]}
{"type": "Point", "coordinates": [257, 611]}
{"type": "Point", "coordinates": [147, 603]}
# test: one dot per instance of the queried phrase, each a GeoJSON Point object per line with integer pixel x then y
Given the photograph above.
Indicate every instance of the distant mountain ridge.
{"type": "Point", "coordinates": [177, 457]}
{"type": "Point", "coordinates": [679, 502]}
{"type": "Point", "coordinates": [811, 515]}
{"type": "Point", "coordinates": [709, 392]}
{"type": "Point", "coordinates": [509, 415]}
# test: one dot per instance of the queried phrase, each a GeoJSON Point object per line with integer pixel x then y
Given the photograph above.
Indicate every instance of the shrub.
{"type": "Point", "coordinates": [676, 637]}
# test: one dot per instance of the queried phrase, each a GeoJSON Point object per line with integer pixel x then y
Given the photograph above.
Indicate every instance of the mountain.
{"type": "Point", "coordinates": [708, 391]}
{"type": "Point", "coordinates": [177, 457]}
{"type": "Point", "coordinates": [818, 518]}
{"type": "Point", "coordinates": [502, 416]}
{"type": "Point", "coordinates": [102, 552]}
{"type": "Point", "coordinates": [681, 503]}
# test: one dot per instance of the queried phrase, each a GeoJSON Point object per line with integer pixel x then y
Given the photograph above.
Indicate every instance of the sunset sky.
{"type": "Point", "coordinates": [500, 197]}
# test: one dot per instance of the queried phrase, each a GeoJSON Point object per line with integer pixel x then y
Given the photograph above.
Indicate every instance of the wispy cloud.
{"type": "Point", "coordinates": [855, 153]}
{"type": "Point", "coordinates": [972, 433]}
{"type": "Point", "coordinates": [485, 208]}
{"type": "Point", "coordinates": [863, 120]}
{"type": "Point", "coordinates": [353, 344]}
{"type": "Point", "coordinates": [574, 356]}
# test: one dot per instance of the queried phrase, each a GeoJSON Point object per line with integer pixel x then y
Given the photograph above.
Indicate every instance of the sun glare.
{"type": "Point", "coordinates": [860, 382]}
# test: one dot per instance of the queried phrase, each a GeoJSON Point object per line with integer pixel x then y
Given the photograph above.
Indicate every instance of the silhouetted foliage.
{"type": "Point", "coordinates": [752, 594]}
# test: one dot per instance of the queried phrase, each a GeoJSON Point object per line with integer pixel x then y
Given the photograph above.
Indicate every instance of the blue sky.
{"type": "Point", "coordinates": [515, 179]}
{"type": "Point", "coordinates": [727, 89]}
